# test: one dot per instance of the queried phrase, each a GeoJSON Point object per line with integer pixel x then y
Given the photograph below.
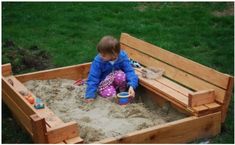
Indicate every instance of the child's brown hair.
{"type": "Point", "coordinates": [108, 45]}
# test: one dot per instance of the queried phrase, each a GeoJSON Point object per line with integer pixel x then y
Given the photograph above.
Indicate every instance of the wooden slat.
{"type": "Point", "coordinates": [6, 69]}
{"type": "Point", "coordinates": [74, 140]}
{"type": "Point", "coordinates": [201, 97]}
{"type": "Point", "coordinates": [207, 109]}
{"type": "Point", "coordinates": [214, 77]}
{"type": "Point", "coordinates": [39, 129]}
{"type": "Point", "coordinates": [213, 106]}
{"type": "Point", "coordinates": [171, 84]}
{"type": "Point", "coordinates": [175, 74]}
{"type": "Point", "coordinates": [63, 132]}
{"type": "Point", "coordinates": [70, 72]}
{"type": "Point", "coordinates": [51, 119]}
{"type": "Point", "coordinates": [201, 108]}
{"type": "Point", "coordinates": [176, 103]}
{"type": "Point", "coordinates": [165, 90]}
{"type": "Point", "coordinates": [23, 119]}
{"type": "Point", "coordinates": [174, 86]}
{"type": "Point", "coordinates": [157, 99]}
{"type": "Point", "coordinates": [180, 131]}
{"type": "Point", "coordinates": [227, 100]}
{"type": "Point", "coordinates": [14, 95]}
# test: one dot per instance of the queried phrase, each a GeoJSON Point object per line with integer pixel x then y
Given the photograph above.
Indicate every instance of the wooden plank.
{"type": "Point", "coordinates": [73, 72]}
{"type": "Point", "coordinates": [39, 129]}
{"type": "Point", "coordinates": [51, 119]}
{"type": "Point", "coordinates": [157, 99]}
{"type": "Point", "coordinates": [174, 86]}
{"type": "Point", "coordinates": [6, 69]}
{"type": "Point", "coordinates": [206, 112]}
{"type": "Point", "coordinates": [75, 140]}
{"type": "Point", "coordinates": [180, 131]}
{"type": "Point", "coordinates": [18, 99]}
{"type": "Point", "coordinates": [23, 119]}
{"type": "Point", "coordinates": [206, 109]}
{"type": "Point", "coordinates": [165, 90]}
{"type": "Point", "coordinates": [168, 98]}
{"type": "Point", "coordinates": [201, 108]}
{"type": "Point", "coordinates": [175, 74]}
{"type": "Point", "coordinates": [201, 97]}
{"type": "Point", "coordinates": [169, 83]}
{"type": "Point", "coordinates": [213, 106]}
{"type": "Point", "coordinates": [63, 132]}
{"type": "Point", "coordinates": [214, 77]}
{"type": "Point", "coordinates": [227, 100]}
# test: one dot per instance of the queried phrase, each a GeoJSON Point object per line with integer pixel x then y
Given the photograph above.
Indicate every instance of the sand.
{"type": "Point", "coordinates": [103, 118]}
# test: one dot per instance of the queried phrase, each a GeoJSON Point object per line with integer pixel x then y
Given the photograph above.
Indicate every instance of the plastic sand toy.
{"type": "Point", "coordinates": [123, 98]}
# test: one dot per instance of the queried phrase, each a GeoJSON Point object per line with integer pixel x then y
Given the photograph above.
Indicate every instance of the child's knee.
{"type": "Point", "coordinates": [108, 92]}
{"type": "Point", "coordinates": [120, 77]}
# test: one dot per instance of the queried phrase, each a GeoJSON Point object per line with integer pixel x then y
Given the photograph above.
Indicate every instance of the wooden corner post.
{"type": "Point", "coordinates": [227, 99]}
{"type": "Point", "coordinates": [6, 69]}
{"type": "Point", "coordinates": [39, 129]}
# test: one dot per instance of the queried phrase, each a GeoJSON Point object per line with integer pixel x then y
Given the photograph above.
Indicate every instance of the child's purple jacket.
{"type": "Point", "coordinates": [100, 69]}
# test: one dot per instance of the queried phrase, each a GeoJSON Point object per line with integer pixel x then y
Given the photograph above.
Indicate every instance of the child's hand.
{"type": "Point", "coordinates": [89, 100]}
{"type": "Point", "coordinates": [131, 91]}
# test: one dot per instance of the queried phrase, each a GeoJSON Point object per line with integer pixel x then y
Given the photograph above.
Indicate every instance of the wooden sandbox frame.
{"type": "Point", "coordinates": [196, 90]}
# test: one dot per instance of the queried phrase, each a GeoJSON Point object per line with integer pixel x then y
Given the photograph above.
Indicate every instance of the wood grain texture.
{"type": "Point", "coordinates": [181, 131]}
{"type": "Point", "coordinates": [6, 69]}
{"type": "Point", "coordinates": [201, 97]}
{"type": "Point", "coordinates": [214, 77]}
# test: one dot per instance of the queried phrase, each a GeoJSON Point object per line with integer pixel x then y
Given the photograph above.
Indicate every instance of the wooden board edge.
{"type": "Point", "coordinates": [227, 99]}
{"type": "Point", "coordinates": [203, 72]}
{"type": "Point", "coordinates": [176, 103]}
{"type": "Point", "coordinates": [201, 97]}
{"type": "Point", "coordinates": [70, 72]}
{"type": "Point", "coordinates": [62, 132]}
{"type": "Point", "coordinates": [18, 113]}
{"type": "Point", "coordinates": [178, 75]}
{"type": "Point", "coordinates": [39, 129]}
{"type": "Point", "coordinates": [180, 131]}
{"type": "Point", "coordinates": [6, 69]}
{"type": "Point", "coordinates": [9, 89]}
{"type": "Point", "coordinates": [75, 140]}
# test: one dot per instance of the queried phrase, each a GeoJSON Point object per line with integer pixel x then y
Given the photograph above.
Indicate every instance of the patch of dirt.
{"type": "Point", "coordinates": [21, 59]}
{"type": "Point", "coordinates": [142, 7]}
{"type": "Point", "coordinates": [229, 11]}
{"type": "Point", "coordinates": [101, 119]}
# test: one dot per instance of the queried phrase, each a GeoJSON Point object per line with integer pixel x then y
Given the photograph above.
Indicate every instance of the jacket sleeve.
{"type": "Point", "coordinates": [93, 80]}
{"type": "Point", "coordinates": [132, 78]}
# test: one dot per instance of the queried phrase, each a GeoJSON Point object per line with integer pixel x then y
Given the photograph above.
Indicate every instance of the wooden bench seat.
{"type": "Point", "coordinates": [177, 93]}
{"type": "Point", "coordinates": [187, 84]}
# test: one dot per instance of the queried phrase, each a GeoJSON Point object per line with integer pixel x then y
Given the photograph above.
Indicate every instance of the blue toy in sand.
{"type": "Point", "coordinates": [123, 98]}
{"type": "Point", "coordinates": [39, 104]}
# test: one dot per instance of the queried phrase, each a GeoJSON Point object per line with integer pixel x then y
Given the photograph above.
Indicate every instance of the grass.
{"type": "Point", "coordinates": [69, 32]}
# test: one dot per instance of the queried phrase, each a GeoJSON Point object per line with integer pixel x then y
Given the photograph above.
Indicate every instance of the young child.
{"type": "Point", "coordinates": [111, 71]}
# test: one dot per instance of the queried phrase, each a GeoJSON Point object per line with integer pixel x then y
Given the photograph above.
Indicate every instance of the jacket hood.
{"type": "Point", "coordinates": [121, 57]}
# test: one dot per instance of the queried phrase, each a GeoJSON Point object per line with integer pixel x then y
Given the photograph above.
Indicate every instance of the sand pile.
{"type": "Point", "coordinates": [102, 118]}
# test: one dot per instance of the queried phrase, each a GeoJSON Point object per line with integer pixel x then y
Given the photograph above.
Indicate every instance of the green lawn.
{"type": "Point", "coordinates": [69, 32]}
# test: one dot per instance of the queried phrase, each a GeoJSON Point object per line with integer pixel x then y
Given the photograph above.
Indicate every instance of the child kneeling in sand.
{"type": "Point", "coordinates": [111, 71]}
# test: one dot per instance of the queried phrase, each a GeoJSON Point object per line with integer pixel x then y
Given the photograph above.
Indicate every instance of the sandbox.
{"type": "Point", "coordinates": [48, 125]}
{"type": "Point", "coordinates": [189, 102]}
{"type": "Point", "coordinates": [104, 118]}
